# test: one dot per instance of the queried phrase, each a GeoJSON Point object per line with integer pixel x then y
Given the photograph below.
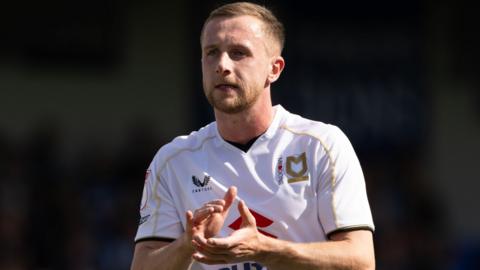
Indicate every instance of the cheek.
{"type": "Point", "coordinates": [206, 71]}
{"type": "Point", "coordinates": [261, 74]}
{"type": "Point", "coordinates": [255, 70]}
{"type": "Point", "coordinates": [204, 67]}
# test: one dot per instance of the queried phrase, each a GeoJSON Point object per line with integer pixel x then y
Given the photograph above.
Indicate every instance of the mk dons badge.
{"type": "Point", "coordinates": [297, 168]}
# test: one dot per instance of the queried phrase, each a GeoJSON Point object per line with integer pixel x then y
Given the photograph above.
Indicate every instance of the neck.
{"type": "Point", "coordinates": [246, 125]}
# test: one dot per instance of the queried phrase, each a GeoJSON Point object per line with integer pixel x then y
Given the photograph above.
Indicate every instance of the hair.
{"type": "Point", "coordinates": [272, 26]}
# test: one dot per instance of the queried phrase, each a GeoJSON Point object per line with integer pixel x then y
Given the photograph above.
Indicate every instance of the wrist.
{"type": "Point", "coordinates": [270, 250]}
{"type": "Point", "coordinates": [186, 246]}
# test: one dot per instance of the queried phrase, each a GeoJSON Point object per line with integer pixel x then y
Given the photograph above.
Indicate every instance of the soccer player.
{"type": "Point", "coordinates": [268, 188]}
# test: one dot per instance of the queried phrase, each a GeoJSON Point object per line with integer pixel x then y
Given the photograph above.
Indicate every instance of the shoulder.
{"type": "Point", "coordinates": [329, 142]}
{"type": "Point", "coordinates": [326, 134]}
{"type": "Point", "coordinates": [190, 142]}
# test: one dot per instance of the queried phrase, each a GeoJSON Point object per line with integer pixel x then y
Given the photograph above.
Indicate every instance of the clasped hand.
{"type": "Point", "coordinates": [204, 224]}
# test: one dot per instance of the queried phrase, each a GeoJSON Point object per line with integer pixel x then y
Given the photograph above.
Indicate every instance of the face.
{"type": "Point", "coordinates": [236, 64]}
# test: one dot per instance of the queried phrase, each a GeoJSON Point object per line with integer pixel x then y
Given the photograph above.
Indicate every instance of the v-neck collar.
{"type": "Point", "coordinates": [280, 113]}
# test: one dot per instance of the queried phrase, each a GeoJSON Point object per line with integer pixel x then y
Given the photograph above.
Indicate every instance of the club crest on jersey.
{"type": "Point", "coordinates": [201, 185]}
{"type": "Point", "coordinates": [279, 171]}
{"type": "Point", "coordinates": [296, 168]}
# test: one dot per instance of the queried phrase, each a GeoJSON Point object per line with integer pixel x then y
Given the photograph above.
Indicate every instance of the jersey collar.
{"type": "Point", "coordinates": [280, 114]}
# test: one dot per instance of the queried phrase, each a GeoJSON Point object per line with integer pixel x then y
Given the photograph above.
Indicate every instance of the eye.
{"type": "Point", "coordinates": [237, 54]}
{"type": "Point", "coordinates": [211, 52]}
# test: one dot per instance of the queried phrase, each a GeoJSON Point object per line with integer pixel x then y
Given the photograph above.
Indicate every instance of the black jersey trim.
{"type": "Point", "coordinates": [244, 147]}
{"type": "Point", "coordinates": [154, 238]}
{"type": "Point", "coordinates": [350, 228]}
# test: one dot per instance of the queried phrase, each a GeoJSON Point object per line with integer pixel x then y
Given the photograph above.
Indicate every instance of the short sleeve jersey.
{"type": "Point", "coordinates": [301, 180]}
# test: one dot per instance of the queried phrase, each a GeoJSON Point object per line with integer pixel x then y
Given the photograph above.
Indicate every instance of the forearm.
{"type": "Point", "coordinates": [280, 255]}
{"type": "Point", "coordinates": [173, 256]}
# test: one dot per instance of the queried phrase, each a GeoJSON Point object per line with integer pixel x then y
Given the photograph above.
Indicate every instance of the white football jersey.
{"type": "Point", "coordinates": [301, 180]}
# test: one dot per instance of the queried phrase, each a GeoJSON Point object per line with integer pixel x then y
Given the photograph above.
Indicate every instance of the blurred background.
{"type": "Point", "coordinates": [89, 90]}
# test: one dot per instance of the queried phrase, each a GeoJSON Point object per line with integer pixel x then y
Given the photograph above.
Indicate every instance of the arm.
{"type": "Point", "coordinates": [346, 250]}
{"type": "Point", "coordinates": [163, 255]}
{"type": "Point", "coordinates": [204, 222]}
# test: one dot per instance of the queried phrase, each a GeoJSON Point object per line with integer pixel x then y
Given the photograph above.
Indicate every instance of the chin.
{"type": "Point", "coordinates": [237, 106]}
{"type": "Point", "coordinates": [229, 109]}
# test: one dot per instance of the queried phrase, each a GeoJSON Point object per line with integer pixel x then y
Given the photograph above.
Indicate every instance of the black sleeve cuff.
{"type": "Point", "coordinates": [349, 229]}
{"type": "Point", "coordinates": [154, 238]}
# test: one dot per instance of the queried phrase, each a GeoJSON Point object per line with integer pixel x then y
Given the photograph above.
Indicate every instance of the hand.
{"type": "Point", "coordinates": [206, 221]}
{"type": "Point", "coordinates": [243, 244]}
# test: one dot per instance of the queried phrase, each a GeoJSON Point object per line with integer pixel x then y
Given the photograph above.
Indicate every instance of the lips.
{"type": "Point", "coordinates": [226, 87]}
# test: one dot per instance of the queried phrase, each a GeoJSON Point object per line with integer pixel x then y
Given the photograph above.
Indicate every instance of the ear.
{"type": "Point", "coordinates": [277, 65]}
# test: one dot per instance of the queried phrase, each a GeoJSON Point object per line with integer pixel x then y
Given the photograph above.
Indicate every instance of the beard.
{"type": "Point", "coordinates": [242, 99]}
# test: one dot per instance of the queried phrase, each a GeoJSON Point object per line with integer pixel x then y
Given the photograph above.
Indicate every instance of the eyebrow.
{"type": "Point", "coordinates": [208, 47]}
{"type": "Point", "coordinates": [232, 45]}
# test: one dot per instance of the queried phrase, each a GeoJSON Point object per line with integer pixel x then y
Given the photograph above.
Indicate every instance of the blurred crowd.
{"type": "Point", "coordinates": [77, 212]}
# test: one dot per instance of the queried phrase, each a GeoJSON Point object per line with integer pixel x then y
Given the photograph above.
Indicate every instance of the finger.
{"type": "Point", "coordinates": [201, 214]}
{"type": "Point", "coordinates": [229, 197]}
{"type": "Point", "coordinates": [196, 245]}
{"type": "Point", "coordinates": [206, 250]}
{"type": "Point", "coordinates": [216, 207]}
{"type": "Point", "coordinates": [199, 240]}
{"type": "Point", "coordinates": [189, 218]}
{"type": "Point", "coordinates": [199, 257]}
{"type": "Point", "coordinates": [216, 202]}
{"type": "Point", "coordinates": [212, 256]}
{"type": "Point", "coordinates": [247, 218]}
{"type": "Point", "coordinates": [201, 244]}
{"type": "Point", "coordinates": [219, 243]}
{"type": "Point", "coordinates": [209, 208]}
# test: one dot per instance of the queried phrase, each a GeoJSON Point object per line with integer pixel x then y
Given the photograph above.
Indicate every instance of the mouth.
{"type": "Point", "coordinates": [226, 86]}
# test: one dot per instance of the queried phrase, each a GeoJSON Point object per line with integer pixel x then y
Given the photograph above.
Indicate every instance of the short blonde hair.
{"type": "Point", "coordinates": [273, 26]}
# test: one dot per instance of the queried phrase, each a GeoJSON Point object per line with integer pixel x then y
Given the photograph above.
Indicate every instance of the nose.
{"type": "Point", "coordinates": [224, 66]}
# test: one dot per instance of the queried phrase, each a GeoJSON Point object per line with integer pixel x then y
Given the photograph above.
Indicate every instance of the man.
{"type": "Point", "coordinates": [296, 184]}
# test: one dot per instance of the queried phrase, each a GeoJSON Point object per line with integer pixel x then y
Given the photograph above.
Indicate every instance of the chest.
{"type": "Point", "coordinates": [269, 180]}
{"type": "Point", "coordinates": [257, 173]}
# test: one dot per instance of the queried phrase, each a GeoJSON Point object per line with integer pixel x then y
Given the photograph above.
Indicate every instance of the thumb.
{"type": "Point", "coordinates": [247, 218]}
{"type": "Point", "coordinates": [229, 197]}
{"type": "Point", "coordinates": [189, 217]}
